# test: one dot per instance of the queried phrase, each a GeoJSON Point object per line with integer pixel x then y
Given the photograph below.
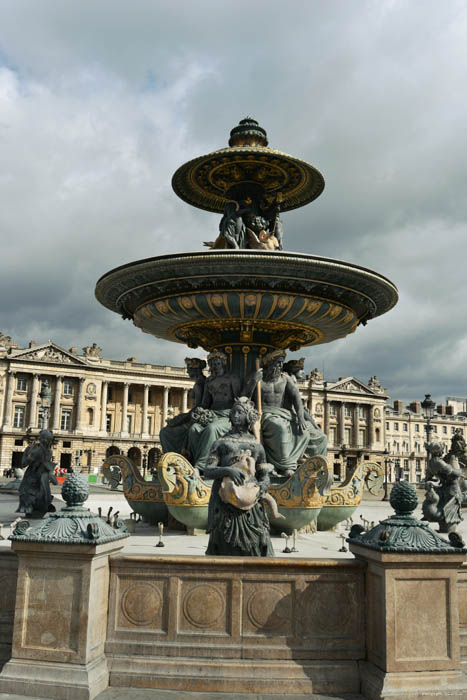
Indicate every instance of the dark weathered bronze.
{"type": "Point", "coordinates": [238, 524]}
{"type": "Point", "coordinates": [445, 489]}
{"type": "Point", "coordinates": [35, 498]}
{"type": "Point", "coordinates": [402, 532]}
{"type": "Point", "coordinates": [246, 302]}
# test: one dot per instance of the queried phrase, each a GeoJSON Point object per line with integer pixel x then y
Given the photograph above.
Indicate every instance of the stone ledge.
{"type": "Point", "coordinates": [54, 681]}
{"type": "Point", "coordinates": [411, 685]}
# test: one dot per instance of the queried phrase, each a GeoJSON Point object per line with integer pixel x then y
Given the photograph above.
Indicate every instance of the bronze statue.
{"type": "Point", "coordinates": [220, 390]}
{"type": "Point", "coordinates": [445, 488]}
{"type": "Point", "coordinates": [173, 436]}
{"type": "Point", "coordinates": [287, 433]}
{"type": "Point", "coordinates": [238, 524]}
{"type": "Point", "coordinates": [35, 498]}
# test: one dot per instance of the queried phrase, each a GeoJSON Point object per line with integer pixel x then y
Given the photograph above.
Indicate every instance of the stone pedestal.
{"type": "Point", "coordinates": [412, 626]}
{"type": "Point", "coordinates": [60, 623]}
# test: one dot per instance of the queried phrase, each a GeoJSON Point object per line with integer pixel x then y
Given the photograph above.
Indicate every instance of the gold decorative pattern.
{"type": "Point", "coordinates": [307, 487]}
{"type": "Point", "coordinates": [205, 181]}
{"type": "Point", "coordinates": [181, 483]}
{"type": "Point", "coordinates": [134, 486]}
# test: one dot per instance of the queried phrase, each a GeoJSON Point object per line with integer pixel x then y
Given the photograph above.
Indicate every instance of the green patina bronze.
{"type": "Point", "coordinates": [74, 524]}
{"type": "Point", "coordinates": [244, 301]}
{"type": "Point", "coordinates": [403, 532]}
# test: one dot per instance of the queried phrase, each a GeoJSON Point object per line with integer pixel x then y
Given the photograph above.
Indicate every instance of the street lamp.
{"type": "Point", "coordinates": [428, 408]}
{"type": "Point", "coordinates": [387, 462]}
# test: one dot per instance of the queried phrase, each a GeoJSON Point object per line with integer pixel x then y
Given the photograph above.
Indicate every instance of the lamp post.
{"type": "Point", "coordinates": [387, 462]}
{"type": "Point", "coordinates": [428, 408]}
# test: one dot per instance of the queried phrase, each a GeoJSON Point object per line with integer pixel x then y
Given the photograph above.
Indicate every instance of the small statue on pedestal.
{"type": "Point", "coordinates": [445, 487]}
{"type": "Point", "coordinates": [35, 499]}
{"type": "Point", "coordinates": [238, 524]}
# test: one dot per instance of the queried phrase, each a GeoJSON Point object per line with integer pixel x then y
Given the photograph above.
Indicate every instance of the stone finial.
{"type": "Point", "coordinates": [403, 498]}
{"type": "Point", "coordinates": [74, 524]}
{"type": "Point", "coordinates": [75, 490]}
{"type": "Point", "coordinates": [402, 532]}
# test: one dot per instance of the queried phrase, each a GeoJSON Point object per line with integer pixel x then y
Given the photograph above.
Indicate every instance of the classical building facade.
{"type": "Point", "coordinates": [405, 431]}
{"type": "Point", "coordinates": [99, 406]}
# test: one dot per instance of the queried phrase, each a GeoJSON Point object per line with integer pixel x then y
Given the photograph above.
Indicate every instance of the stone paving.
{"type": "Point", "coordinates": [147, 693]}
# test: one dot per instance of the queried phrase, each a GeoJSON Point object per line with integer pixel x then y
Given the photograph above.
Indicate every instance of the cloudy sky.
{"type": "Point", "coordinates": [101, 101]}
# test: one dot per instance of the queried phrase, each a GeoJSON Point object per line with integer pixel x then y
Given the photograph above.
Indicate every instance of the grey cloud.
{"type": "Point", "coordinates": [100, 103]}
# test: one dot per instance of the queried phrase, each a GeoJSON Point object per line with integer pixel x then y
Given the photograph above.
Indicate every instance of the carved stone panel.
{"type": "Point", "coordinates": [204, 607]}
{"type": "Point", "coordinates": [141, 605]}
{"type": "Point", "coordinates": [268, 608]}
{"type": "Point", "coordinates": [422, 606]}
{"type": "Point", "coordinates": [375, 621]}
{"type": "Point", "coordinates": [59, 593]}
{"type": "Point", "coordinates": [330, 609]}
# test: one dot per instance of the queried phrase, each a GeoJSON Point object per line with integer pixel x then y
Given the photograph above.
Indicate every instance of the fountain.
{"type": "Point", "coordinates": [246, 301]}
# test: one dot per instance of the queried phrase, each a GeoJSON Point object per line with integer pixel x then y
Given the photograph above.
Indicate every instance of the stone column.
{"type": "Point", "coordinates": [371, 427]}
{"type": "Point", "coordinates": [124, 430]}
{"type": "Point", "coordinates": [356, 425]}
{"type": "Point", "coordinates": [57, 398]}
{"type": "Point", "coordinates": [10, 387]}
{"type": "Point", "coordinates": [342, 422]}
{"type": "Point", "coordinates": [326, 414]}
{"type": "Point", "coordinates": [144, 427]}
{"type": "Point", "coordinates": [33, 404]}
{"type": "Point", "coordinates": [185, 401]}
{"type": "Point", "coordinates": [104, 390]}
{"type": "Point", "coordinates": [79, 404]}
{"type": "Point", "coordinates": [165, 406]}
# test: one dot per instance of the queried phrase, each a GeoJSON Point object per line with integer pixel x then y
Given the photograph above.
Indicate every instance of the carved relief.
{"type": "Point", "coordinates": [204, 606]}
{"type": "Point", "coordinates": [329, 610]}
{"type": "Point", "coordinates": [268, 609]}
{"type": "Point", "coordinates": [49, 354]}
{"type": "Point", "coordinates": [142, 605]}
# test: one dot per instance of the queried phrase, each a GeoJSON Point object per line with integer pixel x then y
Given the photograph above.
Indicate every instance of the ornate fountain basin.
{"type": "Point", "coordinates": [221, 298]}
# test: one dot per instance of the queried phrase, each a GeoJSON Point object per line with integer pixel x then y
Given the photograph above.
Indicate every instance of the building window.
{"type": "Point", "coordinates": [405, 427]}
{"type": "Point", "coordinates": [110, 393]}
{"type": "Point", "coordinates": [418, 465]}
{"type": "Point", "coordinates": [149, 425]}
{"type": "Point", "coordinates": [21, 383]}
{"type": "Point", "coordinates": [128, 424]}
{"type": "Point", "coordinates": [406, 464]}
{"type": "Point", "coordinates": [332, 409]}
{"type": "Point", "coordinates": [108, 422]}
{"type": "Point", "coordinates": [377, 434]}
{"type": "Point", "coordinates": [387, 425]}
{"type": "Point", "coordinates": [66, 443]}
{"type": "Point", "coordinates": [396, 426]}
{"type": "Point", "coordinates": [18, 417]}
{"type": "Point", "coordinates": [149, 396]}
{"type": "Point", "coordinates": [434, 428]}
{"type": "Point", "coordinates": [417, 427]}
{"type": "Point", "coordinates": [332, 436]}
{"type": "Point", "coordinates": [19, 442]}
{"type": "Point", "coordinates": [68, 387]}
{"type": "Point", "coordinates": [361, 411]}
{"type": "Point", "coordinates": [347, 436]}
{"type": "Point", "coordinates": [90, 413]}
{"type": "Point", "coordinates": [418, 478]}
{"type": "Point", "coordinates": [65, 421]}
{"type": "Point", "coordinates": [347, 413]}
{"type": "Point", "coordinates": [130, 396]}
{"type": "Point", "coordinates": [445, 429]}
{"type": "Point", "coordinates": [362, 437]}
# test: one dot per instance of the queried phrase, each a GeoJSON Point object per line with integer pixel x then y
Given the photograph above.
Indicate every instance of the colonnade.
{"type": "Point", "coordinates": [78, 404]}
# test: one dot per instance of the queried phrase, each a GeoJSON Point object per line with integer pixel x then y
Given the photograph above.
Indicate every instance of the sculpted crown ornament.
{"type": "Point", "coordinates": [402, 532]}
{"type": "Point", "coordinates": [74, 524]}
